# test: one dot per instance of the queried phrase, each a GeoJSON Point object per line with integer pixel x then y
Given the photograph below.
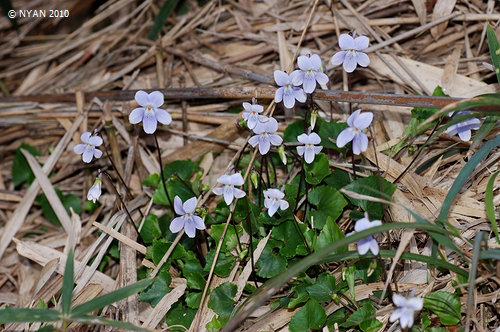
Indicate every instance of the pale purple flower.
{"type": "Point", "coordinates": [150, 113]}
{"type": "Point", "coordinates": [351, 54]}
{"type": "Point", "coordinates": [463, 129]}
{"type": "Point", "coordinates": [310, 72]}
{"type": "Point", "coordinates": [357, 122]}
{"type": "Point", "coordinates": [368, 244]}
{"type": "Point", "coordinates": [251, 114]}
{"type": "Point", "coordinates": [273, 200]}
{"type": "Point", "coordinates": [95, 191]}
{"type": "Point", "coordinates": [88, 149]}
{"type": "Point", "coordinates": [287, 91]}
{"type": "Point", "coordinates": [265, 135]}
{"type": "Point", "coordinates": [187, 220]}
{"type": "Point", "coordinates": [309, 150]}
{"type": "Point", "coordinates": [406, 309]}
{"type": "Point", "coordinates": [229, 190]}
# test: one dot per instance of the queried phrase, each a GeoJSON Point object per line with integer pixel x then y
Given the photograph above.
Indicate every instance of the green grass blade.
{"type": "Point", "coordinates": [110, 298]}
{"type": "Point", "coordinates": [490, 254]}
{"type": "Point", "coordinates": [494, 50]}
{"type": "Point", "coordinates": [161, 18]}
{"type": "Point", "coordinates": [94, 320]}
{"type": "Point", "coordinates": [29, 315]}
{"type": "Point", "coordinates": [490, 207]}
{"type": "Point", "coordinates": [464, 175]}
{"type": "Point", "coordinates": [67, 288]}
{"type": "Point", "coordinates": [488, 124]}
{"type": "Point", "coordinates": [476, 250]}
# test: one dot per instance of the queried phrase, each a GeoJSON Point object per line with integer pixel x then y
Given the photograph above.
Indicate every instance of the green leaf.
{"type": "Point", "coordinates": [365, 313]}
{"type": "Point", "coordinates": [224, 264]}
{"type": "Point", "coordinates": [68, 201]}
{"type": "Point", "coordinates": [110, 298]}
{"type": "Point", "coordinates": [494, 49]}
{"type": "Point", "coordinates": [179, 315]}
{"type": "Point", "coordinates": [445, 305]}
{"type": "Point", "coordinates": [293, 130]}
{"type": "Point", "coordinates": [94, 320]}
{"type": "Point", "coordinates": [221, 299]}
{"type": "Point", "coordinates": [322, 289]}
{"type": "Point", "coordinates": [329, 234]}
{"type": "Point", "coordinates": [160, 248]}
{"type": "Point", "coordinates": [370, 325]}
{"type": "Point", "coordinates": [195, 280]}
{"type": "Point", "coordinates": [175, 187]}
{"type": "Point", "coordinates": [21, 171]}
{"type": "Point", "coordinates": [161, 18]}
{"type": "Point", "coordinates": [338, 179]}
{"type": "Point", "coordinates": [486, 127]}
{"type": "Point", "coordinates": [29, 315]}
{"type": "Point", "coordinates": [327, 130]}
{"type": "Point", "coordinates": [312, 316]}
{"type": "Point", "coordinates": [217, 323]}
{"type": "Point", "coordinates": [271, 263]}
{"type": "Point", "coordinates": [293, 243]}
{"type": "Point", "coordinates": [329, 203]}
{"type": "Point", "coordinates": [151, 229]}
{"type": "Point", "coordinates": [193, 300]}
{"type": "Point", "coordinates": [318, 169]}
{"type": "Point", "coordinates": [157, 290]}
{"type": "Point", "coordinates": [182, 168]}
{"type": "Point", "coordinates": [152, 180]}
{"type": "Point", "coordinates": [490, 207]}
{"type": "Point", "coordinates": [67, 288]}
{"type": "Point", "coordinates": [230, 239]}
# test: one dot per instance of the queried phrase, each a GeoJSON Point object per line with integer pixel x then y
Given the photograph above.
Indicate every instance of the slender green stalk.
{"type": "Point", "coordinates": [161, 172]}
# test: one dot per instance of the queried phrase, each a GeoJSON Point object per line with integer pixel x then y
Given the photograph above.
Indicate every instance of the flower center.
{"type": "Point", "coordinates": [287, 86]}
{"type": "Point", "coordinates": [356, 130]}
{"type": "Point", "coordinates": [188, 214]}
{"type": "Point", "coordinates": [351, 52]}
{"type": "Point", "coordinates": [254, 113]}
{"type": "Point", "coordinates": [309, 145]}
{"type": "Point", "coordinates": [309, 71]}
{"type": "Point", "coordinates": [229, 185]}
{"type": "Point", "coordinates": [264, 134]}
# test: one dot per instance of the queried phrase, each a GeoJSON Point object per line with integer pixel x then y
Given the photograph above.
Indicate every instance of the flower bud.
{"type": "Point", "coordinates": [281, 152]}
{"type": "Point", "coordinates": [255, 179]}
{"type": "Point", "coordinates": [314, 117]}
{"type": "Point", "coordinates": [371, 268]}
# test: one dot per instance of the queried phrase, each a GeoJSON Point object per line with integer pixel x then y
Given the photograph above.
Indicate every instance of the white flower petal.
{"type": "Point", "coordinates": [363, 120]}
{"type": "Point", "coordinates": [264, 145]}
{"type": "Point", "coordinates": [97, 153]}
{"type": "Point", "coordinates": [281, 78]}
{"type": "Point", "coordinates": [360, 43]}
{"type": "Point", "coordinates": [465, 135]}
{"type": "Point", "coordinates": [288, 99]}
{"type": "Point", "coordinates": [314, 138]}
{"type": "Point", "coordinates": [163, 116]}
{"type": "Point", "coordinates": [136, 115]}
{"type": "Point", "coordinates": [218, 191]}
{"type": "Point", "coordinates": [85, 137]}
{"type": "Point", "coordinates": [363, 59]}
{"type": "Point", "coordinates": [338, 58]}
{"type": "Point", "coordinates": [252, 122]}
{"type": "Point", "coordinates": [189, 228]}
{"type": "Point", "coordinates": [364, 245]}
{"type": "Point", "coordinates": [352, 118]}
{"type": "Point", "coordinates": [301, 149]}
{"type": "Point", "coordinates": [247, 107]}
{"type": "Point", "coordinates": [228, 195]}
{"type": "Point", "coordinates": [190, 205]}
{"type": "Point", "coordinates": [272, 209]}
{"type": "Point", "coordinates": [80, 148]}
{"type": "Point", "coordinates": [278, 97]}
{"type": "Point", "coordinates": [88, 154]}
{"type": "Point", "coordinates": [395, 315]}
{"type": "Point", "coordinates": [350, 63]}
{"type": "Point", "coordinates": [309, 155]}
{"type": "Point", "coordinates": [142, 98]}
{"type": "Point", "coordinates": [275, 139]}
{"type": "Point", "coordinates": [178, 206]}
{"type": "Point", "coordinates": [95, 140]}
{"type": "Point", "coordinates": [321, 78]}
{"type": "Point", "coordinates": [297, 77]}
{"type": "Point", "coordinates": [237, 179]}
{"type": "Point", "coordinates": [177, 224]}
{"type": "Point", "coordinates": [399, 300]}
{"type": "Point", "coordinates": [238, 193]}
{"type": "Point", "coordinates": [345, 137]}
{"type": "Point", "coordinates": [309, 83]}
{"type": "Point", "coordinates": [149, 123]}
{"type": "Point", "coordinates": [156, 99]}
{"type": "Point", "coordinates": [304, 62]}
{"type": "Point", "coordinates": [315, 62]}
{"type": "Point", "coordinates": [254, 140]}
{"type": "Point", "coordinates": [198, 223]}
{"type": "Point", "coordinates": [300, 95]}
{"type": "Point", "coordinates": [346, 42]}
{"type": "Point", "coordinates": [283, 204]}
{"type": "Point", "coordinates": [224, 179]}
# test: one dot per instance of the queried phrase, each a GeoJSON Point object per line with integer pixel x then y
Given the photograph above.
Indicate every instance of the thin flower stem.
{"type": "Point", "coordinates": [300, 187]}
{"type": "Point", "coordinates": [274, 170]}
{"type": "Point", "coordinates": [306, 202]}
{"type": "Point", "coordinates": [237, 163]}
{"type": "Point", "coordinates": [190, 188]}
{"type": "Point", "coordinates": [118, 173]}
{"type": "Point", "coordinates": [167, 254]}
{"type": "Point", "coordinates": [264, 161]}
{"type": "Point", "coordinates": [251, 239]}
{"type": "Point", "coordinates": [300, 232]}
{"type": "Point", "coordinates": [161, 172]}
{"type": "Point", "coordinates": [260, 191]}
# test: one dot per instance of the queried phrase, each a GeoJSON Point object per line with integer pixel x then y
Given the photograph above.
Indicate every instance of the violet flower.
{"type": "Point", "coordinates": [251, 114]}
{"type": "Point", "coordinates": [187, 220]}
{"type": "Point", "coordinates": [369, 243]}
{"type": "Point", "coordinates": [406, 309]}
{"type": "Point", "coordinates": [287, 91]}
{"type": "Point", "coordinates": [229, 190]}
{"type": "Point", "coordinates": [95, 191]}
{"type": "Point", "coordinates": [150, 113]}
{"type": "Point", "coordinates": [265, 135]}
{"type": "Point", "coordinates": [357, 122]}
{"type": "Point", "coordinates": [309, 150]}
{"type": "Point", "coordinates": [310, 72]}
{"type": "Point", "coordinates": [463, 129]}
{"type": "Point", "coordinates": [273, 200]}
{"type": "Point", "coordinates": [351, 54]}
{"type": "Point", "coordinates": [88, 149]}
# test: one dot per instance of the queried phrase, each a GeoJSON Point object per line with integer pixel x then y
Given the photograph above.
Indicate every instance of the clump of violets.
{"type": "Point", "coordinates": [88, 148]}
{"type": "Point", "coordinates": [369, 243]}
{"type": "Point", "coordinates": [150, 112]}
{"type": "Point", "coordinates": [229, 190]}
{"type": "Point", "coordinates": [310, 72]}
{"type": "Point", "coordinates": [287, 92]}
{"type": "Point", "coordinates": [357, 122]}
{"type": "Point", "coordinates": [309, 150]}
{"type": "Point", "coordinates": [406, 309]}
{"type": "Point", "coordinates": [265, 135]}
{"type": "Point", "coordinates": [351, 55]}
{"type": "Point", "coordinates": [463, 129]}
{"type": "Point", "coordinates": [187, 220]}
{"type": "Point", "coordinates": [252, 114]}
{"type": "Point", "coordinates": [95, 191]}
{"type": "Point", "coordinates": [273, 200]}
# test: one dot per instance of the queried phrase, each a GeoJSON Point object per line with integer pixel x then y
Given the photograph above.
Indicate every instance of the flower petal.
{"type": "Point", "coordinates": [374, 247]}
{"type": "Point", "coordinates": [177, 224]}
{"type": "Point", "coordinates": [237, 179]}
{"type": "Point", "coordinates": [300, 95]}
{"type": "Point", "coordinates": [301, 149]}
{"type": "Point", "coordinates": [275, 139]}
{"type": "Point", "coordinates": [178, 206]}
{"type": "Point", "coordinates": [362, 224]}
{"type": "Point", "coordinates": [297, 77]}
{"type": "Point", "coordinates": [218, 191]}
{"type": "Point", "coordinates": [85, 137]}
{"type": "Point", "coordinates": [252, 122]}
{"type": "Point", "coordinates": [303, 138]}
{"type": "Point", "coordinates": [156, 99]}
{"type": "Point", "coordinates": [272, 208]}
{"type": "Point", "coordinates": [359, 143]}
{"type": "Point", "coordinates": [254, 140]}
{"type": "Point", "coordinates": [281, 78]}
{"type": "Point", "coordinates": [304, 62]}
{"type": "Point", "coordinates": [264, 145]}
{"type": "Point", "coordinates": [198, 223]}
{"type": "Point", "coordinates": [163, 116]}
{"type": "Point", "coordinates": [288, 99]}
{"type": "Point", "coordinates": [97, 153]}
{"type": "Point", "coordinates": [224, 179]}
{"type": "Point", "coordinates": [79, 148]}
{"type": "Point", "coordinates": [315, 62]}
{"type": "Point", "coordinates": [309, 155]}
{"type": "Point", "coordinates": [142, 98]}
{"type": "Point", "coordinates": [271, 125]}
{"type": "Point", "coordinates": [189, 228]}
{"type": "Point", "coordinates": [364, 245]}
{"type": "Point", "coordinates": [350, 63]}
{"type": "Point", "coordinates": [361, 42]}
{"type": "Point", "coordinates": [321, 78]}
{"type": "Point", "coordinates": [88, 154]}
{"type": "Point", "coordinates": [465, 135]}
{"type": "Point", "coordinates": [363, 120]}
{"type": "Point", "coordinates": [309, 83]}
{"type": "Point", "coordinates": [136, 115]}
{"type": "Point", "coordinates": [247, 107]}
{"type": "Point", "coordinates": [95, 140]}
{"type": "Point", "coordinates": [314, 138]}
{"type": "Point", "coordinates": [190, 205]}
{"type": "Point", "coordinates": [406, 319]}
{"type": "Point", "coordinates": [416, 303]}
{"type": "Point", "coordinates": [317, 149]}
{"type": "Point", "coordinates": [346, 42]}
{"type": "Point", "coordinates": [395, 315]}
{"type": "Point", "coordinates": [228, 195]}
{"type": "Point", "coordinates": [238, 193]}
{"type": "Point", "coordinates": [352, 118]}
{"type": "Point", "coordinates": [345, 137]}
{"type": "Point", "coordinates": [283, 204]}
{"type": "Point", "coordinates": [278, 96]}
{"type": "Point", "coordinates": [363, 59]}
{"type": "Point", "coordinates": [399, 300]}
{"type": "Point", "coordinates": [149, 123]}
{"type": "Point", "coordinates": [338, 58]}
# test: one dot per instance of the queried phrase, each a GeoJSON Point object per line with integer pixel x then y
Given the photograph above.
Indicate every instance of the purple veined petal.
{"type": "Point", "coordinates": [315, 62]}
{"type": "Point", "coordinates": [228, 194]}
{"type": "Point", "coordinates": [156, 99]}
{"type": "Point", "coordinates": [338, 58]}
{"type": "Point", "coordinates": [395, 315]}
{"type": "Point", "coordinates": [278, 96]}
{"type": "Point", "coordinates": [198, 223]}
{"type": "Point", "coordinates": [346, 42]}
{"type": "Point", "coordinates": [260, 127]}
{"type": "Point", "coordinates": [363, 120]}
{"type": "Point", "coordinates": [363, 59]}
{"type": "Point", "coordinates": [362, 224]}
{"type": "Point", "coordinates": [416, 303]}
{"type": "Point", "coordinates": [452, 130]}
{"type": "Point", "coordinates": [300, 150]}
{"type": "Point", "coordinates": [136, 115]}
{"type": "Point", "coordinates": [317, 149]}
{"type": "Point", "coordinates": [264, 145]}
{"type": "Point", "coordinates": [79, 148]}
{"type": "Point", "coordinates": [360, 43]}
{"type": "Point", "coordinates": [364, 245]}
{"type": "Point", "coordinates": [254, 140]}
{"type": "Point", "coordinates": [283, 204]}
{"type": "Point", "coordinates": [309, 155]}
{"type": "Point", "coordinates": [297, 77]}
{"type": "Point", "coordinates": [303, 138]}
{"type": "Point", "coordinates": [321, 78]}
{"type": "Point", "coordinates": [350, 62]}
{"type": "Point", "coordinates": [352, 118]}
{"type": "Point", "coordinates": [345, 137]}
{"type": "Point", "coordinates": [465, 135]}
{"type": "Point", "coordinates": [189, 228]}
{"type": "Point", "coordinates": [281, 78]}
{"type": "Point", "coordinates": [288, 99]}
{"type": "Point", "coordinates": [218, 191]}
{"type": "Point", "coordinates": [271, 125]}
{"type": "Point", "coordinates": [238, 193]}
{"type": "Point", "coordinates": [359, 143]}
{"type": "Point", "coordinates": [142, 98]}
{"type": "Point", "coordinates": [314, 138]}
{"type": "Point", "coordinates": [95, 140]}
{"type": "Point", "coordinates": [374, 247]}
{"type": "Point", "coordinates": [177, 224]}
{"type": "Point", "coordinates": [300, 95]}
{"type": "Point", "coordinates": [252, 122]}
{"type": "Point", "coordinates": [88, 154]}
{"type": "Point", "coordinates": [85, 137]}
{"type": "Point", "coordinates": [237, 179]}
{"type": "Point", "coordinates": [273, 207]}
{"type": "Point", "coordinates": [309, 83]}
{"type": "Point", "coordinates": [399, 300]}
{"type": "Point", "coordinates": [275, 139]}
{"type": "Point", "coordinates": [97, 153]}
{"type": "Point", "coordinates": [178, 206]}
{"type": "Point", "coordinates": [305, 63]}
{"type": "Point", "coordinates": [163, 116]}
{"type": "Point", "coordinates": [247, 107]}
{"type": "Point", "coordinates": [190, 205]}
{"type": "Point", "coordinates": [149, 122]}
